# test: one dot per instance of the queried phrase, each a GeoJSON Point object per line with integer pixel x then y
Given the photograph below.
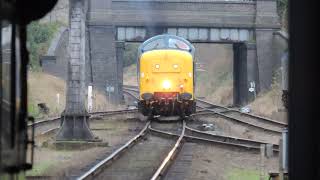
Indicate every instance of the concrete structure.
{"type": "Point", "coordinates": [55, 61]}
{"type": "Point", "coordinates": [248, 24]}
{"type": "Point", "coordinates": [74, 118]}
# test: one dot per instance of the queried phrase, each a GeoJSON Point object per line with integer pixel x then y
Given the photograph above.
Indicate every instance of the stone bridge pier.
{"type": "Point", "coordinates": [74, 119]}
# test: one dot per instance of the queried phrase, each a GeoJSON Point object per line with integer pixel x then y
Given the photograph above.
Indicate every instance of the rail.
{"type": "Point", "coordinates": [168, 159]}
{"type": "Point", "coordinates": [214, 140]}
{"type": "Point", "coordinates": [231, 139]}
{"type": "Point", "coordinates": [260, 122]}
{"type": "Point", "coordinates": [102, 164]}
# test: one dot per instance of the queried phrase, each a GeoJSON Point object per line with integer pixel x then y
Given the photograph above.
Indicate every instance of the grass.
{"type": "Point", "coordinates": [269, 102]}
{"type": "Point", "coordinates": [44, 166]}
{"type": "Point", "coordinates": [40, 168]}
{"type": "Point", "coordinates": [244, 174]}
{"type": "Point", "coordinates": [19, 176]}
{"type": "Point", "coordinates": [33, 109]}
{"type": "Point", "coordinates": [43, 88]}
{"type": "Point", "coordinates": [130, 75]}
{"type": "Point", "coordinates": [40, 36]}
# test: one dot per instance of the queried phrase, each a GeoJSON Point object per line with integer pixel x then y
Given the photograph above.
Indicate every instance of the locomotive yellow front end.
{"type": "Point", "coordinates": [166, 72]}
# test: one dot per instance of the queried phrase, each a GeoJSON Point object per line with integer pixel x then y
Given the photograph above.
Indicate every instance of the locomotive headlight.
{"type": "Point", "coordinates": [190, 74]}
{"type": "Point", "coordinates": [175, 66]}
{"type": "Point", "coordinates": [157, 66]}
{"type": "Point", "coordinates": [166, 84]}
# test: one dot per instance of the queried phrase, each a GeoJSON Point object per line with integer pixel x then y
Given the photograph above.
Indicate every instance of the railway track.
{"type": "Point", "coordinates": [193, 135]}
{"type": "Point", "coordinates": [251, 119]}
{"type": "Point", "coordinates": [43, 127]}
{"type": "Point", "coordinates": [151, 133]}
{"type": "Point", "coordinates": [258, 122]}
{"type": "Point", "coordinates": [137, 158]}
{"type": "Point", "coordinates": [95, 170]}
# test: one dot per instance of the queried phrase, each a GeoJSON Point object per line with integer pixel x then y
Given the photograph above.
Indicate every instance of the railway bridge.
{"type": "Point", "coordinates": [98, 30]}
{"type": "Point", "coordinates": [249, 25]}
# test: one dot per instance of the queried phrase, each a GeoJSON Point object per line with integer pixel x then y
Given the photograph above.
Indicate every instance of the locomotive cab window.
{"type": "Point", "coordinates": [166, 42]}
{"type": "Point", "coordinates": [177, 44]}
{"type": "Point", "coordinates": [156, 44]}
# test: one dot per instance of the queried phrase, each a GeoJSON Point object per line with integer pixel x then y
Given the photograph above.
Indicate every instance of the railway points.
{"type": "Point", "coordinates": [187, 137]}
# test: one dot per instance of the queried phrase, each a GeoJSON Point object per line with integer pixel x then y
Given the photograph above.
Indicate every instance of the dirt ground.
{"type": "Point", "coordinates": [57, 163]}
{"type": "Point", "coordinates": [221, 163]}
{"type": "Point", "coordinates": [214, 79]}
{"type": "Point", "coordinates": [130, 75]}
{"type": "Point", "coordinates": [228, 127]}
{"type": "Point", "coordinates": [140, 162]}
{"type": "Point", "coordinates": [43, 88]}
{"type": "Point", "coordinates": [269, 104]}
{"type": "Point", "coordinates": [208, 161]}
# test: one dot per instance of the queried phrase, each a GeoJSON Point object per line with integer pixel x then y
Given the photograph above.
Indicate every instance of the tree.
{"type": "Point", "coordinates": [283, 13]}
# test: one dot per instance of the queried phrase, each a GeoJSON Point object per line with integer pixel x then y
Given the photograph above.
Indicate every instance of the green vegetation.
{"type": "Point", "coordinates": [40, 169]}
{"type": "Point", "coordinates": [33, 109]}
{"type": "Point", "coordinates": [244, 174]}
{"type": "Point", "coordinates": [5, 176]}
{"type": "Point", "coordinates": [39, 38]}
{"type": "Point", "coordinates": [130, 54]}
{"type": "Point", "coordinates": [283, 13]}
{"type": "Point", "coordinates": [46, 164]}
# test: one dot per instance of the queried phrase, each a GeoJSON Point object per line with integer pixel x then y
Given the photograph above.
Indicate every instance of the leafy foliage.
{"type": "Point", "coordinates": [283, 12]}
{"type": "Point", "coordinates": [130, 54]}
{"type": "Point", "coordinates": [39, 38]}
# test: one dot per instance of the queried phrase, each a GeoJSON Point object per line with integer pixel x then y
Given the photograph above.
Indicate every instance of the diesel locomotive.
{"type": "Point", "coordinates": [165, 69]}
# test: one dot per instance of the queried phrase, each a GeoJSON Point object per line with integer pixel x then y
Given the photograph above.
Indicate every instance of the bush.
{"type": "Point", "coordinates": [130, 54]}
{"type": "Point", "coordinates": [282, 6]}
{"type": "Point", "coordinates": [39, 38]}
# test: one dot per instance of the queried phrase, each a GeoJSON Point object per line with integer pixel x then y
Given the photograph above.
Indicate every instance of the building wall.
{"type": "Point", "coordinates": [57, 63]}
{"type": "Point", "coordinates": [103, 60]}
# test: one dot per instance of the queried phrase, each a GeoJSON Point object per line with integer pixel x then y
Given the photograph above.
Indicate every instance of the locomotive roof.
{"type": "Point", "coordinates": [166, 41]}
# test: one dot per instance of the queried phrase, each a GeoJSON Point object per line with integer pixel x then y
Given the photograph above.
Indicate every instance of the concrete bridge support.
{"type": "Point", "coordinates": [245, 72]}
{"type": "Point", "coordinates": [103, 57]}
{"type": "Point", "coordinates": [75, 117]}
{"type": "Point", "coordinates": [120, 47]}
{"type": "Point", "coordinates": [266, 23]}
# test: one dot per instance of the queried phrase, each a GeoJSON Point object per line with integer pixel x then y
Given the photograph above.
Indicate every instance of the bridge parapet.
{"type": "Point", "coordinates": [190, 13]}
{"type": "Point", "coordinates": [193, 34]}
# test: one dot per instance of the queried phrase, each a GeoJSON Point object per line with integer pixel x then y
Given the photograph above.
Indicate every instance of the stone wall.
{"type": "Point", "coordinates": [267, 22]}
{"type": "Point", "coordinates": [56, 63]}
{"type": "Point", "coordinates": [103, 60]}
{"type": "Point", "coordinates": [60, 13]}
